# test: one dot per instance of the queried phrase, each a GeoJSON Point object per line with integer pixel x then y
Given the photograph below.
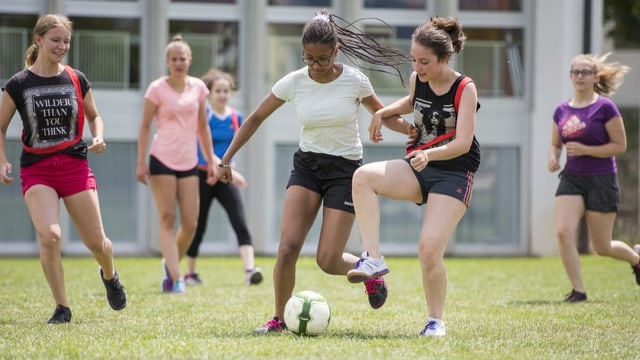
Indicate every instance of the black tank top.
{"type": "Point", "coordinates": [434, 115]}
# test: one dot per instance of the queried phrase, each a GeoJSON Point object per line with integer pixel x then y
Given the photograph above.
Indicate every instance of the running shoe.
{"type": "Point", "coordinates": [575, 296]}
{"type": "Point", "coordinates": [116, 296]}
{"type": "Point", "coordinates": [192, 279]}
{"type": "Point", "coordinates": [254, 276]}
{"type": "Point", "coordinates": [434, 327]}
{"type": "Point", "coordinates": [179, 287]}
{"type": "Point", "coordinates": [61, 315]}
{"type": "Point", "coordinates": [367, 268]}
{"type": "Point", "coordinates": [272, 326]}
{"type": "Point", "coordinates": [376, 290]}
{"type": "Point", "coordinates": [167, 280]}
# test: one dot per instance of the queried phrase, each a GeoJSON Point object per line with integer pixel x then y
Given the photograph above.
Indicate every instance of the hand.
{"type": "Point", "coordinates": [5, 171]}
{"type": "Point", "coordinates": [553, 165]}
{"type": "Point", "coordinates": [575, 149]}
{"type": "Point", "coordinates": [97, 145]}
{"type": "Point", "coordinates": [418, 159]}
{"type": "Point", "coordinates": [413, 134]}
{"type": "Point", "coordinates": [142, 174]}
{"type": "Point", "coordinates": [225, 175]}
{"type": "Point", "coordinates": [375, 128]}
{"type": "Point", "coordinates": [212, 174]}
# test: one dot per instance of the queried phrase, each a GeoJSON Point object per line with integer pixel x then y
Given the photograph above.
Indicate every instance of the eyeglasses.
{"type": "Point", "coordinates": [584, 73]}
{"type": "Point", "coordinates": [321, 62]}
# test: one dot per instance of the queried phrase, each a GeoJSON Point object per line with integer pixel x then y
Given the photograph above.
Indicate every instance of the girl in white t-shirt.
{"type": "Point", "coordinates": [326, 96]}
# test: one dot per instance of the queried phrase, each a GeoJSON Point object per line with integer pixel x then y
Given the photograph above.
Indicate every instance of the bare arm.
{"type": "Point", "coordinates": [148, 113]}
{"type": "Point", "coordinates": [555, 150]}
{"type": "Point", "coordinates": [206, 144]}
{"type": "Point", "coordinates": [96, 125]}
{"type": "Point", "coordinates": [7, 110]}
{"type": "Point", "coordinates": [268, 105]}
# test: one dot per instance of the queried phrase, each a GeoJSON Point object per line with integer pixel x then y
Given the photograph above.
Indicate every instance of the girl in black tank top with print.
{"type": "Point", "coordinates": [437, 170]}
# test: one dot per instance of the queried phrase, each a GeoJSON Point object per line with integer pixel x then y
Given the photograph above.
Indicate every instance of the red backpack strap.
{"type": "Point", "coordinates": [456, 100]}
{"type": "Point", "coordinates": [234, 120]}
{"type": "Point", "coordinates": [80, 128]}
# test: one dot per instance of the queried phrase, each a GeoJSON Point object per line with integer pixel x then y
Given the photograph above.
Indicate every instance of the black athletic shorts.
{"type": "Point", "coordinates": [328, 175]}
{"type": "Point", "coordinates": [457, 184]}
{"type": "Point", "coordinates": [156, 167]}
{"type": "Point", "coordinates": [600, 192]}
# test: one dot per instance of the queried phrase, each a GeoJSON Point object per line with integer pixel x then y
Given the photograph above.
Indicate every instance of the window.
{"type": "Point", "coordinates": [397, 4]}
{"type": "Point", "coordinates": [15, 37]}
{"type": "Point", "coordinates": [491, 5]}
{"type": "Point", "coordinates": [494, 59]}
{"type": "Point", "coordinates": [315, 3]}
{"type": "Point", "coordinates": [107, 50]}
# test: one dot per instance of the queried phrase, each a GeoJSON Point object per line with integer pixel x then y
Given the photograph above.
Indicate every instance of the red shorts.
{"type": "Point", "coordinates": [66, 174]}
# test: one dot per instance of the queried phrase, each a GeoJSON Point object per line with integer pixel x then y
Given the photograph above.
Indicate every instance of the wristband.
{"type": "Point", "coordinates": [224, 166]}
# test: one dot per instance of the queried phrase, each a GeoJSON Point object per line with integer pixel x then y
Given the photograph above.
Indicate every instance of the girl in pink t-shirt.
{"type": "Point", "coordinates": [177, 102]}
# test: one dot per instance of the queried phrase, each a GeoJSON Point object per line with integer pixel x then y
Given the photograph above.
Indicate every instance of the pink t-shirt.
{"type": "Point", "coordinates": [175, 141]}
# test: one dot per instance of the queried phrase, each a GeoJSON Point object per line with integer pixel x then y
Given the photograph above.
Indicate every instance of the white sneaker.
{"type": "Point", "coordinates": [254, 276]}
{"type": "Point", "coordinates": [434, 327]}
{"type": "Point", "coordinates": [367, 268]}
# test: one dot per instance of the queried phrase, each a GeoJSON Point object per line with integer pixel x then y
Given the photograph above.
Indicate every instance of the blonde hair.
{"type": "Point", "coordinates": [178, 42]}
{"type": "Point", "coordinates": [43, 25]}
{"type": "Point", "coordinates": [610, 74]}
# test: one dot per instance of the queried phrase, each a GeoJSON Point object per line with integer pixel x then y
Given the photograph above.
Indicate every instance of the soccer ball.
{"type": "Point", "coordinates": [307, 313]}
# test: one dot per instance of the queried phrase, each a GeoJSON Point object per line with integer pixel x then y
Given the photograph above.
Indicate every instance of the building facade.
{"type": "Point", "coordinates": [518, 52]}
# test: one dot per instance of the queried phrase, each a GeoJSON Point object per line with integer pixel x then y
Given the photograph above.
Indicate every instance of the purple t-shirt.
{"type": "Point", "coordinates": [587, 126]}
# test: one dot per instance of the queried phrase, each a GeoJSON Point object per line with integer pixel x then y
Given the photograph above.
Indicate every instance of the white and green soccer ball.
{"type": "Point", "coordinates": [307, 313]}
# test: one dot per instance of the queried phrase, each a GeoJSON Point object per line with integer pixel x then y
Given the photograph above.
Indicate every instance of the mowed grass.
{"type": "Point", "coordinates": [497, 308]}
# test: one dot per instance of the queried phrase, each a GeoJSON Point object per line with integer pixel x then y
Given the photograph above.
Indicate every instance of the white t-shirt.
{"type": "Point", "coordinates": [327, 112]}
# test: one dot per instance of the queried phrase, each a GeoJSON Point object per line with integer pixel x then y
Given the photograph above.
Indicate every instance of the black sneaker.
{"type": "Point", "coordinates": [116, 296]}
{"type": "Point", "coordinates": [636, 268]}
{"type": "Point", "coordinates": [575, 296]}
{"type": "Point", "coordinates": [61, 315]}
{"type": "Point", "coordinates": [376, 289]}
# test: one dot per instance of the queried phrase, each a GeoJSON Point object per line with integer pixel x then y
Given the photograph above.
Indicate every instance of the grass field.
{"type": "Point", "coordinates": [496, 309]}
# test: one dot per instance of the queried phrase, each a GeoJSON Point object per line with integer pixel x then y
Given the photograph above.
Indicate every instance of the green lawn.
{"type": "Point", "coordinates": [496, 309]}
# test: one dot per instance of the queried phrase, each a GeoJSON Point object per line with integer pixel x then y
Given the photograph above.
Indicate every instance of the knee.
{"type": "Point", "coordinates": [168, 220]}
{"type": "Point", "coordinates": [430, 256]}
{"type": "Point", "coordinates": [50, 237]}
{"type": "Point", "coordinates": [601, 249]}
{"type": "Point", "coordinates": [565, 236]}
{"type": "Point", "coordinates": [100, 247]}
{"type": "Point", "coordinates": [288, 252]}
{"type": "Point", "coordinates": [329, 264]}
{"type": "Point", "coordinates": [360, 178]}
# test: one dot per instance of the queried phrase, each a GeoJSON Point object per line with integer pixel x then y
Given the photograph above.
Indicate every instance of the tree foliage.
{"type": "Point", "coordinates": [625, 15]}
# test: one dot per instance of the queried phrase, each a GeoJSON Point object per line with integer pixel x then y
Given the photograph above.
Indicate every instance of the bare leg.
{"type": "Point", "coordinates": [44, 208]}
{"type": "Point", "coordinates": [569, 210]}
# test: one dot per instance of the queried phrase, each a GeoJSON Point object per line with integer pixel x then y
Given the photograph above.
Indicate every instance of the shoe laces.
{"type": "Point", "coordinates": [431, 325]}
{"type": "Point", "coordinates": [373, 285]}
{"type": "Point", "coordinates": [274, 325]}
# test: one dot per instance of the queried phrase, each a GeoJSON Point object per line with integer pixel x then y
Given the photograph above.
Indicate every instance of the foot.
{"type": "Point", "coordinates": [273, 326]}
{"type": "Point", "coordinates": [434, 327]}
{"type": "Point", "coordinates": [254, 276]}
{"type": "Point", "coordinates": [116, 296]}
{"type": "Point", "coordinates": [367, 268]}
{"type": "Point", "coordinates": [179, 287]}
{"type": "Point", "coordinates": [575, 296]}
{"type": "Point", "coordinates": [636, 268]}
{"type": "Point", "coordinates": [167, 280]}
{"type": "Point", "coordinates": [192, 278]}
{"type": "Point", "coordinates": [376, 290]}
{"type": "Point", "coordinates": [61, 315]}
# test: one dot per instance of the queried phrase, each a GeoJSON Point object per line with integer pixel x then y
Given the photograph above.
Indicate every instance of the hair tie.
{"type": "Point", "coordinates": [323, 17]}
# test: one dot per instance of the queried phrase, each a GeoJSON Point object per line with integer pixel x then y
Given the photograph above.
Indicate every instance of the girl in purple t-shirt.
{"type": "Point", "coordinates": [591, 129]}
